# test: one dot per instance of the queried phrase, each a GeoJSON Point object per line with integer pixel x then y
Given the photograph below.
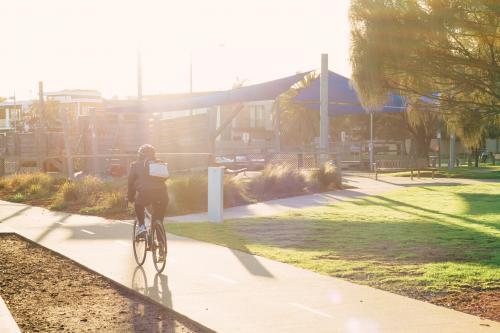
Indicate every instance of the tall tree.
{"type": "Point", "coordinates": [447, 50]}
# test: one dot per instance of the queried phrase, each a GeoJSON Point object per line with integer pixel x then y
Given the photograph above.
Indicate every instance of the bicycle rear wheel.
{"type": "Point", "coordinates": [159, 247]}
{"type": "Point", "coordinates": [140, 245]}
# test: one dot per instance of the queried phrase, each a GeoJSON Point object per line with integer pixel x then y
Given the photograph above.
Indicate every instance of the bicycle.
{"type": "Point", "coordinates": [155, 241]}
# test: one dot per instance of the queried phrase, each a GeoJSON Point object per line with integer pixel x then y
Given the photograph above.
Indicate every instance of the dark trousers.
{"type": "Point", "coordinates": [158, 199]}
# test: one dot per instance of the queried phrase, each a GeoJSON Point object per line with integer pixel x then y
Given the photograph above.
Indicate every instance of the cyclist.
{"type": "Point", "coordinates": [144, 190]}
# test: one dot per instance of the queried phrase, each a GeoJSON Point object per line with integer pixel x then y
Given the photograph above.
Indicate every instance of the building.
{"type": "Point", "coordinates": [12, 113]}
{"type": "Point", "coordinates": [252, 128]}
{"type": "Point", "coordinates": [253, 122]}
{"type": "Point", "coordinates": [77, 100]}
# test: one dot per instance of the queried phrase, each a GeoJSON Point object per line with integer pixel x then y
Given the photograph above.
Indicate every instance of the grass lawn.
{"type": "Point", "coordinates": [439, 243]}
{"type": "Point", "coordinates": [483, 172]}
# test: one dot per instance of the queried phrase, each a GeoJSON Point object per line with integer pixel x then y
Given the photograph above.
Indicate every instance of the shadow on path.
{"type": "Point", "coordinates": [19, 212]}
{"type": "Point", "coordinates": [157, 290]}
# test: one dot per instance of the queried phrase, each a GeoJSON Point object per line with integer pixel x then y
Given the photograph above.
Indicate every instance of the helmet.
{"type": "Point", "coordinates": [147, 151]}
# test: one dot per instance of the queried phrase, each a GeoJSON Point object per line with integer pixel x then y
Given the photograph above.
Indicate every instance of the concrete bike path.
{"type": "Point", "coordinates": [7, 323]}
{"type": "Point", "coordinates": [231, 291]}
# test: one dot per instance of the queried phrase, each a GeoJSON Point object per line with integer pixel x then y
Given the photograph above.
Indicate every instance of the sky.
{"type": "Point", "coordinates": [93, 44]}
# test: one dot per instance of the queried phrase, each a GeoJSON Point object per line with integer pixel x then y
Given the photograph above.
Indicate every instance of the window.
{"type": "Point", "coordinates": [257, 116]}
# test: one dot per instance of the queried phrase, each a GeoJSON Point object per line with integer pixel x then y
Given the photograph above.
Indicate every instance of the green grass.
{"type": "Point", "coordinates": [416, 241]}
{"type": "Point", "coordinates": [483, 172]}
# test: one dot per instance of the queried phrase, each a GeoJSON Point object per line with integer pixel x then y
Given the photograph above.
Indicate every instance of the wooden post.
{"type": "Point", "coordinates": [277, 126]}
{"type": "Point", "coordinates": [2, 166]}
{"type": "Point", "coordinates": [39, 129]}
{"type": "Point", "coordinates": [67, 143]}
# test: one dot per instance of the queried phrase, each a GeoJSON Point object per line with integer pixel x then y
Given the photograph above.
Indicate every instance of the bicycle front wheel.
{"type": "Point", "coordinates": [140, 245]}
{"type": "Point", "coordinates": [159, 247]}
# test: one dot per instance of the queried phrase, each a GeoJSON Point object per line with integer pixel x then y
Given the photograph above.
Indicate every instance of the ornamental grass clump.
{"type": "Point", "coordinates": [29, 186]}
{"type": "Point", "coordinates": [278, 181]}
{"type": "Point", "coordinates": [236, 192]}
{"type": "Point", "coordinates": [187, 194]}
{"type": "Point", "coordinates": [83, 191]}
{"type": "Point", "coordinates": [328, 177]}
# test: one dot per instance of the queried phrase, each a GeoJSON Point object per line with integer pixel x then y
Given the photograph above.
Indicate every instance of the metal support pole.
{"type": "Point", "coordinates": [370, 147]}
{"type": "Point", "coordinates": [67, 143]}
{"type": "Point", "coordinates": [41, 106]}
{"type": "Point", "coordinates": [439, 150]}
{"type": "Point", "coordinates": [93, 143]}
{"type": "Point", "coordinates": [451, 163]}
{"type": "Point", "coordinates": [324, 120]}
{"type": "Point", "coordinates": [139, 75]}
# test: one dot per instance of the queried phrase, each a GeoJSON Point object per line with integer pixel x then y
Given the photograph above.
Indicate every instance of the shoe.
{"type": "Point", "coordinates": [141, 232]}
{"type": "Point", "coordinates": [161, 255]}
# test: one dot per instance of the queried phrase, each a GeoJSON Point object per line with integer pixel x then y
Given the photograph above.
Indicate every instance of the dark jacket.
{"type": "Point", "coordinates": [139, 181]}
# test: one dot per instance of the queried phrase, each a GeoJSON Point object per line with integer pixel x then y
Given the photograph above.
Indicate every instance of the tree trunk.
{"type": "Point", "coordinates": [422, 142]}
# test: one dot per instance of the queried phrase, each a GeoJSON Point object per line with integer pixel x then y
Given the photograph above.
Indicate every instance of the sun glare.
{"type": "Point", "coordinates": [93, 44]}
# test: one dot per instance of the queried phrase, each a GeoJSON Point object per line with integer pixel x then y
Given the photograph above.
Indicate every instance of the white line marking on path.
{"type": "Point", "coordinates": [222, 278]}
{"type": "Point", "coordinates": [88, 232]}
{"type": "Point", "coordinates": [303, 307]}
{"type": "Point", "coordinates": [59, 222]}
{"type": "Point", "coordinates": [125, 222]}
{"type": "Point", "coordinates": [122, 243]}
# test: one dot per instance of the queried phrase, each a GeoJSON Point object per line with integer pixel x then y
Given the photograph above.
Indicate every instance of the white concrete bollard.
{"type": "Point", "coordinates": [215, 194]}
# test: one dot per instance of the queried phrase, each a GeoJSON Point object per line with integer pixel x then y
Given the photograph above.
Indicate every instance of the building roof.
{"type": "Point", "coordinates": [343, 99]}
{"type": "Point", "coordinates": [74, 92]}
{"type": "Point", "coordinates": [257, 92]}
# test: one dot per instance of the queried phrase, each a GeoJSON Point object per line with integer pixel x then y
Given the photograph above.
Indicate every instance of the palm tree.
{"type": "Point", "coordinates": [299, 125]}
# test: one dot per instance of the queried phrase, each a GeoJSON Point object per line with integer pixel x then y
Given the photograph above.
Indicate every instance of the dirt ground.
{"type": "Point", "coordinates": [49, 293]}
{"type": "Point", "coordinates": [485, 304]}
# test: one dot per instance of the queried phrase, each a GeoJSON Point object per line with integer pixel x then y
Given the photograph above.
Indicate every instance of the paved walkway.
{"type": "Point", "coordinates": [7, 323]}
{"type": "Point", "coordinates": [231, 291]}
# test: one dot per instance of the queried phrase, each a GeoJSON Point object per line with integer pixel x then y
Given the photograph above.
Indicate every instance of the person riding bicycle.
{"type": "Point", "coordinates": [144, 190]}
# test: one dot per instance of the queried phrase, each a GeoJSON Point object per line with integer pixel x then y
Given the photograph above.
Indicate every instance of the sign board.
{"type": "Point", "coordinates": [245, 136]}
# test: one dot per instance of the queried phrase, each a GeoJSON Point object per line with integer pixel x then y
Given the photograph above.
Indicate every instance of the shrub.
{"type": "Point", "coordinates": [115, 201]}
{"type": "Point", "coordinates": [109, 202]}
{"type": "Point", "coordinates": [82, 191]}
{"type": "Point", "coordinates": [235, 192]}
{"type": "Point", "coordinates": [278, 181]}
{"type": "Point", "coordinates": [29, 185]}
{"type": "Point", "coordinates": [187, 194]}
{"type": "Point", "coordinates": [328, 177]}
{"type": "Point", "coordinates": [18, 197]}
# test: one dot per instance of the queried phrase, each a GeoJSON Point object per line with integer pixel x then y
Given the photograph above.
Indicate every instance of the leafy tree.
{"type": "Point", "coordinates": [300, 125]}
{"type": "Point", "coordinates": [423, 47]}
{"type": "Point", "coordinates": [51, 116]}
